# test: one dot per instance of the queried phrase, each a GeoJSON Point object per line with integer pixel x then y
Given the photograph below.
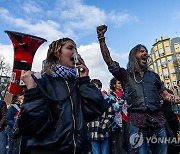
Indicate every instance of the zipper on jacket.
{"type": "Point", "coordinates": [74, 122]}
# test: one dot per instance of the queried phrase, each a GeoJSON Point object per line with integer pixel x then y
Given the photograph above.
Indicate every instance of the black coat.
{"type": "Point", "coordinates": [3, 110]}
{"type": "Point", "coordinates": [55, 114]}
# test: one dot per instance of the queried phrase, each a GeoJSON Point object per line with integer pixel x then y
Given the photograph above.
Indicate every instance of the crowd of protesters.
{"type": "Point", "coordinates": [63, 111]}
{"type": "Point", "coordinates": [107, 132]}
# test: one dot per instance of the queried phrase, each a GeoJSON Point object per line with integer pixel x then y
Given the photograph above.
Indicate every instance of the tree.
{"type": "Point", "coordinates": [5, 71]}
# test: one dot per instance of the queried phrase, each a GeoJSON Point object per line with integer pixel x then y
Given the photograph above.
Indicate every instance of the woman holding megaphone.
{"type": "Point", "coordinates": [58, 103]}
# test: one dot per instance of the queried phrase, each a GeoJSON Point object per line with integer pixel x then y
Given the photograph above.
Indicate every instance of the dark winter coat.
{"type": "Point", "coordinates": [141, 96]}
{"type": "Point", "coordinates": [3, 110]}
{"type": "Point", "coordinates": [56, 112]}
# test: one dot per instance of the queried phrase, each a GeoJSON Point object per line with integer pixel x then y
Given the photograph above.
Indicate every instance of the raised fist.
{"type": "Point", "coordinates": [101, 30]}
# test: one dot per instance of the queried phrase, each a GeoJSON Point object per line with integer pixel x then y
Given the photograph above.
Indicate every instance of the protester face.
{"type": "Point", "coordinates": [20, 98]}
{"type": "Point", "coordinates": [141, 57]}
{"type": "Point", "coordinates": [66, 54]}
{"type": "Point", "coordinates": [118, 86]}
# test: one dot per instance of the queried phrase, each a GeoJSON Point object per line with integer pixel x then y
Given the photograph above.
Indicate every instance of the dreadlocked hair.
{"type": "Point", "coordinates": [54, 53]}
{"type": "Point", "coordinates": [133, 65]}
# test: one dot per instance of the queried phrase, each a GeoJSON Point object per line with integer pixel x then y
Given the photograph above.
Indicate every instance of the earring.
{"type": "Point", "coordinates": [59, 60]}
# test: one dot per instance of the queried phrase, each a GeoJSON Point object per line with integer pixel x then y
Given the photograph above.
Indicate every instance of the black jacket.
{"type": "Point", "coordinates": [141, 96]}
{"type": "Point", "coordinates": [55, 114]}
{"type": "Point", "coordinates": [3, 110]}
{"type": "Point", "coordinates": [144, 95]}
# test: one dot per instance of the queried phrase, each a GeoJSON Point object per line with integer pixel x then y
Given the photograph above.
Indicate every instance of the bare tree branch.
{"type": "Point", "coordinates": [5, 71]}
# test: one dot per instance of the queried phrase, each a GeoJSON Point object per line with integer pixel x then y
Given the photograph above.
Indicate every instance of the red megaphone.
{"type": "Point", "coordinates": [25, 47]}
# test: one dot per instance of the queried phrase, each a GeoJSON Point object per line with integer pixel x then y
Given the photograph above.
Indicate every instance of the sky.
{"type": "Point", "coordinates": [129, 22]}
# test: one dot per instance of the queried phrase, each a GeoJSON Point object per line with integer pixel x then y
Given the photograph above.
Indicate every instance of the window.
{"type": "Point", "coordinates": [156, 54]}
{"type": "Point", "coordinates": [158, 63]}
{"type": "Point", "coordinates": [176, 46]}
{"type": "Point", "coordinates": [155, 65]}
{"type": "Point", "coordinates": [161, 52]}
{"type": "Point", "coordinates": [169, 59]}
{"type": "Point", "coordinates": [174, 83]}
{"type": "Point", "coordinates": [178, 59]}
{"type": "Point", "coordinates": [172, 71]}
{"type": "Point", "coordinates": [166, 76]}
{"type": "Point", "coordinates": [167, 84]}
{"type": "Point", "coordinates": [167, 49]}
{"type": "Point", "coordinates": [164, 64]}
{"type": "Point", "coordinates": [153, 56]}
{"type": "Point", "coordinates": [178, 56]}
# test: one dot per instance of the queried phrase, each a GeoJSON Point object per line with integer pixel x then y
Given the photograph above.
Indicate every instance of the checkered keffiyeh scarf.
{"type": "Point", "coordinates": [64, 72]}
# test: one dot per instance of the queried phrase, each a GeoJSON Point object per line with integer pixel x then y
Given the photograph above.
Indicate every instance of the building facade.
{"type": "Point", "coordinates": [164, 59]}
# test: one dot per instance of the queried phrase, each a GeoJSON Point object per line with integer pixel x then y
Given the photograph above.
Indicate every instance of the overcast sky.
{"type": "Point", "coordinates": [129, 22]}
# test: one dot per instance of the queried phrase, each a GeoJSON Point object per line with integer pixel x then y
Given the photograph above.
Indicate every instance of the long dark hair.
{"type": "Point", "coordinates": [113, 83]}
{"type": "Point", "coordinates": [133, 65]}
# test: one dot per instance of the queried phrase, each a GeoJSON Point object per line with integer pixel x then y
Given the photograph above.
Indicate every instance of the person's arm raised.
{"type": "Point", "coordinates": [104, 49]}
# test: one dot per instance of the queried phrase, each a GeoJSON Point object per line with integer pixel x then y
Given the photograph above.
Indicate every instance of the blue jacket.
{"type": "Point", "coordinates": [11, 113]}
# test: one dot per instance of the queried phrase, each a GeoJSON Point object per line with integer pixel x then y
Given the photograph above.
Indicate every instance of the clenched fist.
{"type": "Point", "coordinates": [27, 79]}
{"type": "Point", "coordinates": [101, 30]}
